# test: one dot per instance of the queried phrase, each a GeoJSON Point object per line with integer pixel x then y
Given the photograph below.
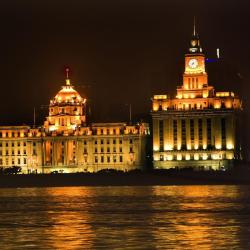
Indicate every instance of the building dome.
{"type": "Point", "coordinates": [67, 96]}
{"type": "Point", "coordinates": [67, 110]}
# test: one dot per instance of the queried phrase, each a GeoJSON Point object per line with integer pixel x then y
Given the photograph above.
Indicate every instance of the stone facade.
{"type": "Point", "coordinates": [66, 144]}
{"type": "Point", "coordinates": [199, 127]}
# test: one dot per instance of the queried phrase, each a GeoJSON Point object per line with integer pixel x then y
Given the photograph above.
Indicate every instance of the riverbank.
{"type": "Point", "coordinates": [154, 178]}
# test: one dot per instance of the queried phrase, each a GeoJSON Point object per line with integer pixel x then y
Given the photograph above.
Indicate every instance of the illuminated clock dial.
{"type": "Point", "coordinates": [193, 63]}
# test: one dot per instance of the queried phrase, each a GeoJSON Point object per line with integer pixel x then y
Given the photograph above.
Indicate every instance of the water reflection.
{"type": "Point", "coordinates": [173, 217]}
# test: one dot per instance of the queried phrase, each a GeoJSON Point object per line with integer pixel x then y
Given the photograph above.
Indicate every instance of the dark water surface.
{"type": "Point", "coordinates": [157, 217]}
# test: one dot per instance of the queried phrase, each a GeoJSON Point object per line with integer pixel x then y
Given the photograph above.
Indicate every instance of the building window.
{"type": "Point", "coordinates": [131, 149]}
{"type": "Point", "coordinates": [96, 159]}
{"type": "Point", "coordinates": [18, 144]}
{"type": "Point", "coordinates": [13, 144]}
{"type": "Point", "coordinates": [209, 133]}
{"type": "Point", "coordinates": [13, 162]}
{"type": "Point", "coordinates": [121, 159]}
{"type": "Point", "coordinates": [1, 161]}
{"type": "Point", "coordinates": [102, 150]}
{"type": "Point", "coordinates": [183, 134]}
{"type": "Point", "coordinates": [19, 161]}
{"type": "Point", "coordinates": [95, 141]}
{"type": "Point", "coordinates": [161, 134]}
{"type": "Point", "coordinates": [108, 158]}
{"type": "Point", "coordinates": [130, 141]}
{"type": "Point", "coordinates": [114, 141]}
{"type": "Point", "coordinates": [192, 131]}
{"type": "Point", "coordinates": [7, 152]}
{"type": "Point", "coordinates": [1, 144]}
{"type": "Point", "coordinates": [85, 158]}
{"type": "Point", "coordinates": [108, 141]}
{"type": "Point", "coordinates": [6, 144]}
{"type": "Point", "coordinates": [34, 144]}
{"type": "Point", "coordinates": [108, 149]}
{"type": "Point", "coordinates": [85, 150]}
{"type": "Point", "coordinates": [24, 144]}
{"type": "Point", "coordinates": [200, 132]}
{"type": "Point", "coordinates": [85, 142]}
{"type": "Point", "coordinates": [1, 153]}
{"type": "Point", "coordinates": [175, 133]}
{"type": "Point", "coordinates": [102, 159]}
{"type": "Point", "coordinates": [120, 141]}
{"type": "Point", "coordinates": [120, 150]}
{"type": "Point", "coordinates": [114, 158]}
{"type": "Point", "coordinates": [12, 152]}
{"type": "Point", "coordinates": [24, 151]}
{"type": "Point", "coordinates": [114, 149]}
{"type": "Point", "coordinates": [223, 133]}
{"type": "Point", "coordinates": [101, 141]}
{"type": "Point", "coordinates": [24, 161]}
{"type": "Point", "coordinates": [95, 150]}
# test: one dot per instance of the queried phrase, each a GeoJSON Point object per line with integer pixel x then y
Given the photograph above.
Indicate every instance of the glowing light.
{"type": "Point", "coordinates": [187, 157]}
{"type": "Point", "coordinates": [156, 158]}
{"type": "Point", "coordinates": [168, 147]}
{"type": "Point", "coordinates": [218, 146]}
{"type": "Point", "coordinates": [52, 128]}
{"type": "Point", "coordinates": [160, 97]}
{"type": "Point", "coordinates": [196, 157]}
{"type": "Point", "coordinates": [222, 94]}
{"type": "Point", "coordinates": [155, 106]}
{"type": "Point", "coordinates": [204, 156]}
{"type": "Point", "coordinates": [179, 157]}
{"type": "Point", "coordinates": [230, 146]}
{"type": "Point", "coordinates": [169, 157]}
{"type": "Point", "coordinates": [156, 148]}
{"type": "Point", "coordinates": [205, 95]}
{"type": "Point", "coordinates": [230, 156]}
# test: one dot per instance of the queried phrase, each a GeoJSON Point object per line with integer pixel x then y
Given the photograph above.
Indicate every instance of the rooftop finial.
{"type": "Point", "coordinates": [194, 27]}
{"type": "Point", "coordinates": [67, 76]}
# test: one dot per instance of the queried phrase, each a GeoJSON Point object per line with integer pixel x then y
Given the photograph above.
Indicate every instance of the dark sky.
{"type": "Point", "coordinates": [120, 51]}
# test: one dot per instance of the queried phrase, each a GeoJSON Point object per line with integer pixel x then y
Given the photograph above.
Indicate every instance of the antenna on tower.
{"type": "Point", "coordinates": [194, 27]}
{"type": "Point", "coordinates": [67, 76]}
{"type": "Point", "coordinates": [67, 72]}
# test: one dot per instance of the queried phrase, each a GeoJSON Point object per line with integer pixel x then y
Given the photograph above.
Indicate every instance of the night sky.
{"type": "Point", "coordinates": [120, 52]}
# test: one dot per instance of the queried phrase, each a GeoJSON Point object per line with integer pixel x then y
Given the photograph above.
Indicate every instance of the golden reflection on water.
{"type": "Point", "coordinates": [71, 223]}
{"type": "Point", "coordinates": [200, 225]}
{"type": "Point", "coordinates": [160, 217]}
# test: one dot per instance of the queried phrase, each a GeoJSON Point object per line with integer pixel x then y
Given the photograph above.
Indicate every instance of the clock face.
{"type": "Point", "coordinates": [193, 63]}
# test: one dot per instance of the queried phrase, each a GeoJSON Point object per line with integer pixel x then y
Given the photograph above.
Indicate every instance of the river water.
{"type": "Point", "coordinates": [157, 217]}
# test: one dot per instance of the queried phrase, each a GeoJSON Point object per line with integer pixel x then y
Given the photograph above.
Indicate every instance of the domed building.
{"type": "Point", "coordinates": [65, 144]}
{"type": "Point", "coordinates": [66, 110]}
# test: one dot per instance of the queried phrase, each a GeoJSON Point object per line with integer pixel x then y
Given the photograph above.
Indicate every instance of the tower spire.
{"type": "Point", "coordinates": [194, 27]}
{"type": "Point", "coordinates": [67, 76]}
{"type": "Point", "coordinates": [195, 46]}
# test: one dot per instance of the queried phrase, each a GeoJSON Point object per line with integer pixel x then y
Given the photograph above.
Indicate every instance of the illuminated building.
{"type": "Point", "coordinates": [66, 144]}
{"type": "Point", "coordinates": [198, 128]}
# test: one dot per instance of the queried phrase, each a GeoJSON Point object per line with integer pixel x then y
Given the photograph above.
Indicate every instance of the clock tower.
{"type": "Point", "coordinates": [198, 128]}
{"type": "Point", "coordinates": [195, 78]}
